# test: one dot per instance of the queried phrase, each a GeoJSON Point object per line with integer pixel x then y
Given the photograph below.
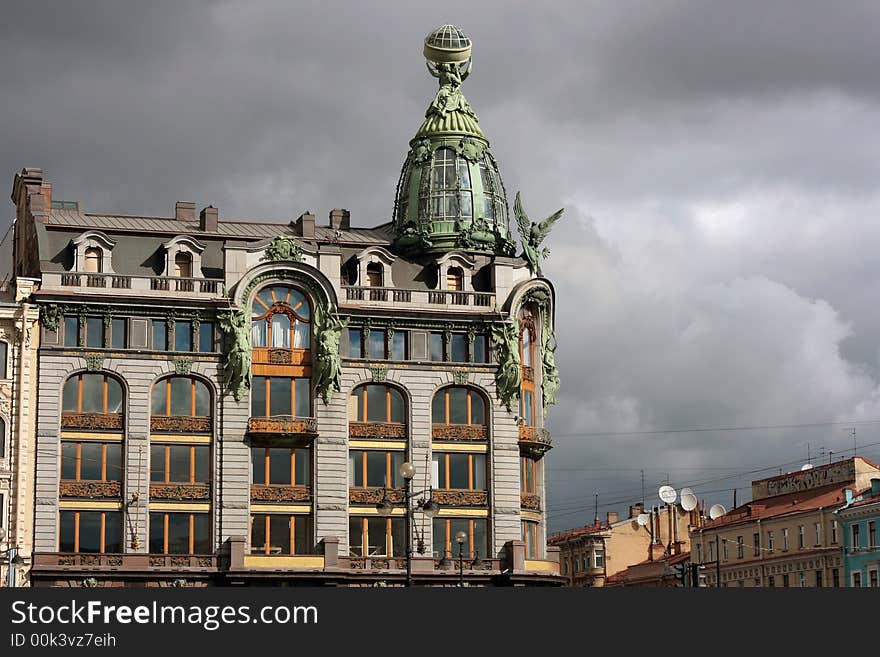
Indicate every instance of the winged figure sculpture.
{"type": "Point", "coordinates": [533, 234]}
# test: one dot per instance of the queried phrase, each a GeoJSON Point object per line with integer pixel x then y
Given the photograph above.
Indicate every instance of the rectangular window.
{"type": "Point", "coordinates": [785, 580]}
{"type": "Point", "coordinates": [529, 475]}
{"type": "Point", "coordinates": [183, 336]}
{"type": "Point", "coordinates": [711, 552]}
{"type": "Point", "coordinates": [91, 461]}
{"type": "Point", "coordinates": [277, 533]}
{"type": "Point", "coordinates": [71, 331]}
{"type": "Point", "coordinates": [819, 579]}
{"type": "Point", "coordinates": [377, 344]}
{"type": "Point", "coordinates": [530, 538]}
{"type": "Point", "coordinates": [481, 350]}
{"type": "Point", "coordinates": [376, 537]}
{"type": "Point", "coordinates": [699, 553]}
{"type": "Point", "coordinates": [180, 464]}
{"type": "Point", "coordinates": [835, 578]}
{"type": "Point", "coordinates": [90, 531]}
{"type": "Point", "coordinates": [802, 579]}
{"type": "Point", "coordinates": [437, 346]}
{"type": "Point", "coordinates": [834, 532]}
{"type": "Point", "coordinates": [739, 547]}
{"type": "Point", "coordinates": [206, 337]}
{"type": "Point", "coordinates": [281, 466]}
{"type": "Point", "coordinates": [724, 549]}
{"type": "Point", "coordinates": [459, 348]}
{"type": "Point", "coordinates": [802, 537]}
{"type": "Point", "coordinates": [855, 530]}
{"type": "Point", "coordinates": [526, 408]}
{"type": "Point", "coordinates": [180, 533]}
{"type": "Point", "coordinates": [756, 541]}
{"type": "Point", "coordinates": [771, 581]}
{"type": "Point", "coordinates": [475, 542]}
{"type": "Point", "coordinates": [160, 335]}
{"type": "Point", "coordinates": [398, 346]}
{"type": "Point", "coordinates": [280, 396]}
{"type": "Point", "coordinates": [117, 333]}
{"type": "Point", "coordinates": [857, 580]}
{"type": "Point", "coordinates": [872, 534]}
{"type": "Point", "coordinates": [872, 578]}
{"type": "Point", "coordinates": [599, 559]}
{"type": "Point", "coordinates": [785, 539]}
{"type": "Point", "coordinates": [375, 469]}
{"type": "Point", "coordinates": [818, 531]}
{"type": "Point", "coordinates": [354, 343]}
{"type": "Point", "coordinates": [94, 332]}
{"type": "Point", "coordinates": [459, 471]}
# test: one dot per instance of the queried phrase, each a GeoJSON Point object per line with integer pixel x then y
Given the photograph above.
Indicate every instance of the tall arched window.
{"type": "Point", "coordinates": [2, 445]}
{"type": "Point", "coordinates": [93, 260]}
{"type": "Point", "coordinates": [180, 403]}
{"type": "Point", "coordinates": [281, 318]}
{"type": "Point", "coordinates": [527, 338]}
{"type": "Point", "coordinates": [92, 401]}
{"type": "Point", "coordinates": [458, 412]}
{"type": "Point", "coordinates": [377, 449]}
{"type": "Point", "coordinates": [4, 355]}
{"type": "Point", "coordinates": [449, 188]}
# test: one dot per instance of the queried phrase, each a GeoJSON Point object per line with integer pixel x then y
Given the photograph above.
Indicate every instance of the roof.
{"type": "Point", "coordinates": [780, 505]}
{"type": "Point", "coordinates": [648, 570]}
{"type": "Point", "coordinates": [576, 533]}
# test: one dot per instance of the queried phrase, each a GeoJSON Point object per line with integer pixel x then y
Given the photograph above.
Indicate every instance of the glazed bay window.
{"type": "Point", "coordinates": [180, 533]}
{"type": "Point", "coordinates": [90, 531]}
{"type": "Point", "coordinates": [376, 537]}
{"type": "Point", "coordinates": [599, 559]}
{"type": "Point", "coordinates": [282, 534]}
{"type": "Point", "coordinates": [446, 529]}
{"type": "Point", "coordinates": [180, 464]}
{"type": "Point", "coordinates": [375, 468]}
{"type": "Point", "coordinates": [281, 466]}
{"type": "Point", "coordinates": [280, 319]}
{"type": "Point", "coordinates": [90, 461]}
{"type": "Point", "coordinates": [459, 471]}
{"type": "Point", "coordinates": [528, 475]}
{"type": "Point", "coordinates": [273, 396]}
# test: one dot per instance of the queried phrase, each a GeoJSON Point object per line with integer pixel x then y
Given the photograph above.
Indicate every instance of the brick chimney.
{"type": "Point", "coordinates": [306, 225]}
{"type": "Point", "coordinates": [185, 211]}
{"type": "Point", "coordinates": [656, 551]}
{"type": "Point", "coordinates": [340, 219]}
{"type": "Point", "coordinates": [611, 517]}
{"type": "Point", "coordinates": [208, 219]}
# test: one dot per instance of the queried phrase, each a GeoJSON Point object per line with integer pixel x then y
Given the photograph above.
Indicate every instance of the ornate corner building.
{"type": "Point", "coordinates": [231, 402]}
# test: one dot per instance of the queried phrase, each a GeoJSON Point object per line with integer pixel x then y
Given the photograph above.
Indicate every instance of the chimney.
{"type": "Point", "coordinates": [656, 551]}
{"type": "Point", "coordinates": [306, 225]}
{"type": "Point", "coordinates": [611, 517]}
{"type": "Point", "coordinates": [185, 211]}
{"type": "Point", "coordinates": [636, 509]}
{"type": "Point", "coordinates": [677, 547]}
{"type": "Point", "coordinates": [208, 219]}
{"type": "Point", "coordinates": [340, 219]}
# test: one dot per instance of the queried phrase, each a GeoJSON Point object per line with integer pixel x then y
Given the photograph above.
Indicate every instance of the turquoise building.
{"type": "Point", "coordinates": [859, 519]}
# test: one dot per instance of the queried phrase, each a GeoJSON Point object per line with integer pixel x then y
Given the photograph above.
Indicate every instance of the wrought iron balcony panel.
{"type": "Point", "coordinates": [284, 426]}
{"type": "Point", "coordinates": [456, 497]}
{"type": "Point", "coordinates": [91, 489]}
{"type": "Point", "coordinates": [180, 424]}
{"type": "Point", "coordinates": [275, 493]}
{"type": "Point", "coordinates": [534, 441]}
{"type": "Point", "coordinates": [100, 421]}
{"type": "Point", "coordinates": [374, 495]}
{"type": "Point", "coordinates": [466, 432]}
{"type": "Point", "coordinates": [376, 430]}
{"type": "Point", "coordinates": [530, 501]}
{"type": "Point", "coordinates": [125, 562]}
{"type": "Point", "coordinates": [160, 491]}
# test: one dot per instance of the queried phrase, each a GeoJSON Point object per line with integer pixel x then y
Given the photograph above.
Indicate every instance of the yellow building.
{"type": "Point", "coordinates": [787, 536]}
{"type": "Point", "coordinates": [590, 554]}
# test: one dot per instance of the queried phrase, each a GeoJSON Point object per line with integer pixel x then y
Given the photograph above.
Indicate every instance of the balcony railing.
{"type": "Point", "coordinates": [180, 424]}
{"type": "Point", "coordinates": [104, 421]}
{"type": "Point", "coordinates": [276, 493]}
{"type": "Point", "coordinates": [530, 501]}
{"type": "Point", "coordinates": [92, 280]}
{"type": "Point", "coordinates": [376, 430]}
{"type": "Point", "coordinates": [457, 497]}
{"type": "Point", "coordinates": [131, 562]}
{"type": "Point", "coordinates": [534, 441]}
{"type": "Point", "coordinates": [391, 295]}
{"type": "Point", "coordinates": [374, 495]}
{"type": "Point", "coordinates": [188, 492]}
{"type": "Point", "coordinates": [90, 489]}
{"type": "Point", "coordinates": [283, 426]}
{"type": "Point", "coordinates": [458, 432]}
{"type": "Point", "coordinates": [280, 356]}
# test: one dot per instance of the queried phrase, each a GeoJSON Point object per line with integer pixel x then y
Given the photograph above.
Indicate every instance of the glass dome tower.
{"type": "Point", "coordinates": [450, 195]}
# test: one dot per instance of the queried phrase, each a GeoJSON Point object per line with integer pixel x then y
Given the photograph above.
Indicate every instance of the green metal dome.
{"type": "Point", "coordinates": [450, 195]}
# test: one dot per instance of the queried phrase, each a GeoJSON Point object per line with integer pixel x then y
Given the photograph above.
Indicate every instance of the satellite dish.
{"type": "Point", "coordinates": [667, 494]}
{"type": "Point", "coordinates": [806, 466]}
{"type": "Point", "coordinates": [717, 511]}
{"type": "Point", "coordinates": [688, 501]}
{"type": "Point", "coordinates": [685, 491]}
{"type": "Point", "coordinates": [643, 519]}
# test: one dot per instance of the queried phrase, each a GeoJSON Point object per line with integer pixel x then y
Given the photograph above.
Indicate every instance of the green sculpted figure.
{"type": "Point", "coordinates": [328, 363]}
{"type": "Point", "coordinates": [505, 337]}
{"type": "Point", "coordinates": [283, 248]}
{"type": "Point", "coordinates": [449, 97]}
{"type": "Point", "coordinates": [236, 327]}
{"type": "Point", "coordinates": [550, 373]}
{"type": "Point", "coordinates": [533, 234]}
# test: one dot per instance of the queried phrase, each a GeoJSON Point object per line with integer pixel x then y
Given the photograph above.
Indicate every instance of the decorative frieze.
{"type": "Point", "coordinates": [90, 489]}
{"type": "Point", "coordinates": [283, 426]}
{"type": "Point", "coordinates": [376, 430]}
{"type": "Point", "coordinates": [458, 432]}
{"type": "Point", "coordinates": [374, 495]}
{"type": "Point", "coordinates": [161, 491]}
{"type": "Point", "coordinates": [460, 497]}
{"type": "Point", "coordinates": [180, 424]}
{"type": "Point", "coordinates": [91, 420]}
{"type": "Point", "coordinates": [271, 493]}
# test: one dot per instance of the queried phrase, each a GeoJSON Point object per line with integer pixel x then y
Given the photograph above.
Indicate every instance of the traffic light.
{"type": "Point", "coordinates": [680, 572]}
{"type": "Point", "coordinates": [698, 575]}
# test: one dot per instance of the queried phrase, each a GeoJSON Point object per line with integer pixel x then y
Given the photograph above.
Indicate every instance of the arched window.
{"type": "Point", "coordinates": [4, 355]}
{"type": "Point", "coordinates": [183, 265]}
{"type": "Point", "coordinates": [281, 318]}
{"type": "Point", "coordinates": [93, 260]}
{"type": "Point", "coordinates": [92, 401]}
{"type": "Point", "coordinates": [374, 274]}
{"type": "Point", "coordinates": [458, 405]}
{"type": "Point", "coordinates": [2, 445]}
{"type": "Point", "coordinates": [180, 403]}
{"type": "Point", "coordinates": [449, 187]}
{"type": "Point", "coordinates": [455, 279]}
{"type": "Point", "coordinates": [527, 338]}
{"type": "Point", "coordinates": [376, 403]}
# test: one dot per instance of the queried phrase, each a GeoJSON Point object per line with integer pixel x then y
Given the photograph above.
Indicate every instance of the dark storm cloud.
{"type": "Point", "coordinates": [715, 266]}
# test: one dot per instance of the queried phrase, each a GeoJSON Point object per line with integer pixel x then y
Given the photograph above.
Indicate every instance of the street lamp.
{"type": "Point", "coordinates": [14, 559]}
{"type": "Point", "coordinates": [428, 506]}
{"type": "Point", "coordinates": [460, 538]}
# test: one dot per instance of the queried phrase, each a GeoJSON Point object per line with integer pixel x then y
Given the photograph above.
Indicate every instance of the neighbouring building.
{"type": "Point", "coordinates": [671, 570]}
{"type": "Point", "coordinates": [589, 555]}
{"type": "Point", "coordinates": [19, 339]}
{"type": "Point", "coordinates": [859, 520]}
{"type": "Point", "coordinates": [788, 535]}
{"type": "Point", "coordinates": [232, 402]}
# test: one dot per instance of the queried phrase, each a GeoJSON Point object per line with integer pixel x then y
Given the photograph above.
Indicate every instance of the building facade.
{"type": "Point", "coordinates": [234, 402]}
{"type": "Point", "coordinates": [859, 520]}
{"type": "Point", "coordinates": [788, 535]}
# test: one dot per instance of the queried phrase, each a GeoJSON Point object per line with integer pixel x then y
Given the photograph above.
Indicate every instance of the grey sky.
{"type": "Point", "coordinates": [717, 161]}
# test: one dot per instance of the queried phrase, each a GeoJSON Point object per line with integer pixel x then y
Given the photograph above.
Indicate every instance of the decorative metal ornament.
{"type": "Point", "coordinates": [283, 248]}
{"type": "Point", "coordinates": [532, 234]}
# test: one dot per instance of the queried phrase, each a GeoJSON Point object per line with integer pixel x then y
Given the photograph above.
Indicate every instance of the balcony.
{"type": "Point", "coordinates": [534, 441]}
{"type": "Point", "coordinates": [458, 497]}
{"type": "Point", "coordinates": [374, 495]}
{"type": "Point", "coordinates": [97, 421]}
{"type": "Point", "coordinates": [180, 492]}
{"type": "Point", "coordinates": [283, 426]}
{"type": "Point", "coordinates": [529, 501]}
{"type": "Point", "coordinates": [377, 430]}
{"type": "Point", "coordinates": [158, 286]}
{"type": "Point", "coordinates": [276, 493]}
{"type": "Point", "coordinates": [87, 563]}
{"type": "Point", "coordinates": [90, 489]}
{"type": "Point", "coordinates": [390, 296]}
{"type": "Point", "coordinates": [463, 432]}
{"type": "Point", "coordinates": [179, 424]}
{"type": "Point", "coordinates": [280, 356]}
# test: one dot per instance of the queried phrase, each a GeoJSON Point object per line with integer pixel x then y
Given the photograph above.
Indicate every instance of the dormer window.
{"type": "Point", "coordinates": [455, 279]}
{"type": "Point", "coordinates": [374, 274]}
{"type": "Point", "coordinates": [93, 257]}
{"type": "Point", "coordinates": [183, 259]}
{"type": "Point", "coordinates": [92, 253]}
{"type": "Point", "coordinates": [183, 265]}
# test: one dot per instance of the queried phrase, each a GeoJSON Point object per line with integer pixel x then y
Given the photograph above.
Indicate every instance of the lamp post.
{"type": "Point", "coordinates": [429, 506]}
{"type": "Point", "coordinates": [14, 559]}
{"type": "Point", "coordinates": [460, 538]}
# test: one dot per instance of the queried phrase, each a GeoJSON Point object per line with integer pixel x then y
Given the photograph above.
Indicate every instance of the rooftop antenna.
{"type": "Point", "coordinates": [596, 513]}
{"type": "Point", "coordinates": [643, 488]}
